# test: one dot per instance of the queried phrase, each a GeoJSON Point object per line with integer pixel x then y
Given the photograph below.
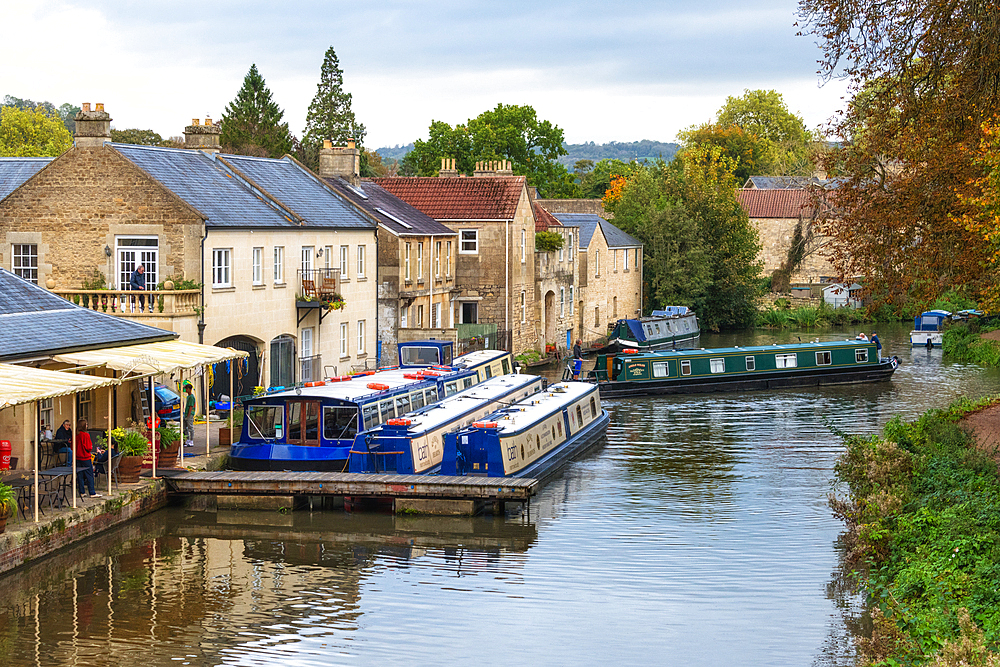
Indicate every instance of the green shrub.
{"type": "Point", "coordinates": [548, 241]}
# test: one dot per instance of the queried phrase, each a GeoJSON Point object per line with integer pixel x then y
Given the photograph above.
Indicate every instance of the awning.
{"type": "Point", "coordinates": [24, 384]}
{"type": "Point", "coordinates": [164, 357]}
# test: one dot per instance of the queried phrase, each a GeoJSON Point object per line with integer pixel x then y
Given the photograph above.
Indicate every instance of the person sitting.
{"type": "Point", "coordinates": [63, 436]}
{"type": "Point", "coordinates": [101, 456]}
{"type": "Point", "coordinates": [862, 336]}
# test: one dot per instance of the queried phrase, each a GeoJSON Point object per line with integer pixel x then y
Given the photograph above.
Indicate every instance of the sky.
{"type": "Point", "coordinates": [601, 71]}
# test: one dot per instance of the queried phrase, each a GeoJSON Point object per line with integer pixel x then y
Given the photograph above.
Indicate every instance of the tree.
{"type": "Point", "coordinates": [32, 133]}
{"type": "Point", "coordinates": [752, 155]}
{"type": "Point", "coordinates": [135, 136]}
{"type": "Point", "coordinates": [330, 115]}
{"type": "Point", "coordinates": [252, 123]}
{"type": "Point", "coordinates": [925, 77]}
{"type": "Point", "coordinates": [67, 112]}
{"type": "Point", "coordinates": [444, 141]}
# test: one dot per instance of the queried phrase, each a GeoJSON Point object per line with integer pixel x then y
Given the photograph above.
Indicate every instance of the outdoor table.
{"type": "Point", "coordinates": [25, 494]}
{"type": "Point", "coordinates": [61, 477]}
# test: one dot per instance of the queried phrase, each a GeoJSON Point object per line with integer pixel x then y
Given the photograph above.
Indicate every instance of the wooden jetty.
{"type": "Point", "coordinates": [431, 494]}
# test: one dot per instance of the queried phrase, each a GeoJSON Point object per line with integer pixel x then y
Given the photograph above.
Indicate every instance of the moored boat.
{"type": "Point", "coordinates": [635, 373]}
{"type": "Point", "coordinates": [673, 327]}
{"type": "Point", "coordinates": [414, 443]}
{"type": "Point", "coordinates": [928, 328]}
{"type": "Point", "coordinates": [535, 437]}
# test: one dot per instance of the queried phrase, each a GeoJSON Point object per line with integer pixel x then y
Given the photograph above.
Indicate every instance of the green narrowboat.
{"type": "Point", "coordinates": [634, 373]}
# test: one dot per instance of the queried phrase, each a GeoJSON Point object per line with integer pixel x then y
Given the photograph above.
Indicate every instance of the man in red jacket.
{"type": "Point", "coordinates": [85, 459]}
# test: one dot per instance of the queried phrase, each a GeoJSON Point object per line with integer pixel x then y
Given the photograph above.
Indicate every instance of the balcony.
{"type": "Point", "coordinates": [126, 303]}
{"type": "Point", "coordinates": [319, 284]}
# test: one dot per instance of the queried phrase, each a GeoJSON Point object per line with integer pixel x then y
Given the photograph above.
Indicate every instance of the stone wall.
{"type": "Point", "coordinates": [593, 206]}
{"type": "Point", "coordinates": [611, 291]}
{"type": "Point", "coordinates": [775, 240]}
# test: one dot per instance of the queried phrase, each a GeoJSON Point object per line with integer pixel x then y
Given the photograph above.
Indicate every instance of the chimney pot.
{"type": "Point", "coordinates": [100, 106]}
{"type": "Point", "coordinates": [208, 122]}
{"type": "Point", "coordinates": [195, 122]}
{"type": "Point", "coordinates": [86, 106]}
{"type": "Point", "coordinates": [350, 143]}
{"type": "Point", "coordinates": [327, 143]}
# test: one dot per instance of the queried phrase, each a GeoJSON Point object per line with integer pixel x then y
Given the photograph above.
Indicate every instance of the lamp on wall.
{"type": "Point", "coordinates": [319, 252]}
{"type": "Point", "coordinates": [107, 251]}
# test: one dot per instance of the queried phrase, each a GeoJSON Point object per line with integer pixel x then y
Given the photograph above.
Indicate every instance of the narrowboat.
{"type": "Point", "coordinates": [927, 328]}
{"type": "Point", "coordinates": [635, 373]}
{"type": "Point", "coordinates": [535, 437]}
{"type": "Point", "coordinates": [414, 443]}
{"type": "Point", "coordinates": [674, 327]}
{"type": "Point", "coordinates": [313, 427]}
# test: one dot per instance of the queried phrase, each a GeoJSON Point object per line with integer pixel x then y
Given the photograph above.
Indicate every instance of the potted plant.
{"type": "Point", "coordinates": [8, 504]}
{"type": "Point", "coordinates": [132, 446]}
{"type": "Point", "coordinates": [170, 445]}
{"type": "Point", "coordinates": [227, 437]}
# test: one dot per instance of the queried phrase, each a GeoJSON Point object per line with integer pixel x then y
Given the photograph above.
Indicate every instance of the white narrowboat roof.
{"type": "Point", "coordinates": [470, 359]}
{"type": "Point", "coordinates": [542, 405]}
{"type": "Point", "coordinates": [449, 409]}
{"type": "Point", "coordinates": [357, 386]}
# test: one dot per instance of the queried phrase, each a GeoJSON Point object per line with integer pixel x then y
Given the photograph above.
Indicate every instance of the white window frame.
{"type": "Point", "coordinates": [307, 259]}
{"type": "Point", "coordinates": [861, 356]}
{"type": "Point", "coordinates": [468, 245]}
{"type": "Point", "coordinates": [436, 315]}
{"type": "Point", "coordinates": [403, 317]}
{"type": "Point", "coordinates": [824, 358]}
{"type": "Point", "coordinates": [524, 308]}
{"type": "Point", "coordinates": [569, 248]}
{"type": "Point", "coordinates": [786, 360]}
{"type": "Point", "coordinates": [420, 316]}
{"type": "Point", "coordinates": [420, 261]}
{"type": "Point", "coordinates": [685, 367]}
{"type": "Point", "coordinates": [447, 262]}
{"type": "Point", "coordinates": [625, 258]}
{"type": "Point", "coordinates": [344, 263]}
{"type": "Point", "coordinates": [279, 265]}
{"type": "Point", "coordinates": [361, 261]}
{"type": "Point", "coordinates": [562, 302]}
{"type": "Point", "coordinates": [257, 261]}
{"type": "Point", "coordinates": [406, 262]}
{"type": "Point", "coordinates": [561, 253]}
{"type": "Point", "coordinates": [717, 365]}
{"type": "Point", "coordinates": [524, 242]}
{"type": "Point", "coordinates": [222, 267]}
{"type": "Point", "coordinates": [24, 261]}
{"type": "Point", "coordinates": [343, 339]}
{"type": "Point", "coordinates": [361, 336]}
{"type": "Point", "coordinates": [571, 297]}
{"type": "Point", "coordinates": [437, 259]}
{"type": "Point", "coordinates": [597, 263]}
{"type": "Point", "coordinates": [328, 257]}
{"type": "Point", "coordinates": [751, 363]}
{"type": "Point", "coordinates": [660, 369]}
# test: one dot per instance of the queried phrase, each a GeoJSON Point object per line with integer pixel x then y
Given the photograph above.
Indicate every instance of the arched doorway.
{"type": "Point", "coordinates": [247, 371]}
{"type": "Point", "coordinates": [549, 320]}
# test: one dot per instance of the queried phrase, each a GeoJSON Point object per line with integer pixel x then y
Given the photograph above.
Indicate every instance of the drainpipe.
{"type": "Point", "coordinates": [506, 296]}
{"type": "Point", "coordinates": [201, 322]}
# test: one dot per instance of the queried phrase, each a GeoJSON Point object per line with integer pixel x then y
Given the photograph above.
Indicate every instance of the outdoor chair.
{"type": "Point", "coordinates": [328, 286]}
{"type": "Point", "coordinates": [111, 464]}
{"type": "Point", "coordinates": [309, 288]}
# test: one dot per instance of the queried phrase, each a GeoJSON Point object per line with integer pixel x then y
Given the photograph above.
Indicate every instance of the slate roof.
{"type": "Point", "coordinates": [776, 203]}
{"type": "Point", "coordinates": [389, 210]}
{"type": "Point", "coordinates": [543, 219]}
{"type": "Point", "coordinates": [791, 182]}
{"type": "Point", "coordinates": [300, 191]}
{"type": "Point", "coordinates": [34, 322]}
{"type": "Point", "coordinates": [491, 198]}
{"type": "Point", "coordinates": [588, 224]}
{"type": "Point", "coordinates": [16, 170]}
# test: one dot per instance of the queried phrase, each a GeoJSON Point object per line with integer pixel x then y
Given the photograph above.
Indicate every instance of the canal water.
{"type": "Point", "coordinates": [699, 533]}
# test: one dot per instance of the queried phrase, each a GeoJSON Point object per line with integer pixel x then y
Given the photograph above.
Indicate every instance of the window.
{"type": "Point", "coordinates": [751, 363]}
{"type": "Point", "coordinates": [570, 299]}
{"type": "Point", "coordinates": [361, 336]}
{"type": "Point", "coordinates": [861, 356]}
{"type": "Point", "coordinates": [562, 301]}
{"type": "Point", "coordinates": [420, 316]}
{"type": "Point", "coordinates": [25, 261]}
{"type": "Point", "coordinates": [625, 258]}
{"type": "Point", "coordinates": [614, 261]}
{"type": "Point", "coordinates": [597, 262]}
{"type": "Point", "coordinates": [614, 306]}
{"type": "Point", "coordinates": [824, 358]}
{"type": "Point", "coordinates": [406, 262]}
{"type": "Point", "coordinates": [264, 421]}
{"type": "Point", "coordinates": [343, 339]}
{"type": "Point", "coordinates": [221, 267]}
{"type": "Point", "coordinates": [469, 239]}
{"type": "Point", "coordinates": [282, 361]}
{"type": "Point", "coordinates": [343, 262]}
{"type": "Point", "coordinates": [279, 264]}
{"type": "Point", "coordinates": [524, 241]}
{"type": "Point", "coordinates": [561, 253]}
{"type": "Point", "coordinates": [435, 315]}
{"type": "Point", "coordinates": [403, 316]}
{"type": "Point", "coordinates": [447, 260]}
{"type": "Point", "coordinates": [636, 263]}
{"type": "Point", "coordinates": [593, 408]}
{"type": "Point", "coordinates": [369, 413]}
{"type": "Point", "coordinates": [328, 257]}
{"type": "Point", "coordinates": [785, 361]}
{"type": "Point", "coordinates": [307, 259]}
{"type": "Point", "coordinates": [597, 316]}
{"type": "Point", "coordinates": [305, 354]}
{"type": "Point", "coordinates": [437, 259]}
{"type": "Point", "coordinates": [361, 261]}
{"type": "Point", "coordinates": [685, 367]}
{"type": "Point", "coordinates": [569, 245]}
{"type": "Point", "coordinates": [420, 262]}
{"type": "Point", "coordinates": [524, 311]}
{"type": "Point", "coordinates": [45, 414]}
{"type": "Point", "coordinates": [660, 369]}
{"type": "Point", "coordinates": [135, 250]}
{"type": "Point", "coordinates": [340, 423]}
{"type": "Point", "coordinates": [470, 312]}
{"type": "Point", "coordinates": [718, 365]}
{"type": "Point", "coordinates": [258, 266]}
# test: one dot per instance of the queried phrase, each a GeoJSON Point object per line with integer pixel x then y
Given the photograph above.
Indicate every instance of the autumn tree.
{"type": "Point", "coordinates": [752, 155]}
{"type": "Point", "coordinates": [924, 76]}
{"type": "Point", "coordinates": [330, 115]}
{"type": "Point", "coordinates": [252, 123]}
{"type": "Point", "coordinates": [32, 133]}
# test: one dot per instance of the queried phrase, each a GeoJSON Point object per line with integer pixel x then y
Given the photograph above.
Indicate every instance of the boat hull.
{"type": "Point", "coordinates": [551, 465]}
{"type": "Point", "coordinates": [926, 338]}
{"type": "Point", "coordinates": [278, 457]}
{"type": "Point", "coordinates": [759, 381]}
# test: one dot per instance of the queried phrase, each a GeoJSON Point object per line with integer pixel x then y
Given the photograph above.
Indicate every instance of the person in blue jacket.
{"type": "Point", "coordinates": [138, 283]}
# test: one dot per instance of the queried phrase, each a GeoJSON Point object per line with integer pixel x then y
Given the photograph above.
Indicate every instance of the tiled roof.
{"type": "Point", "coordinates": [299, 191]}
{"type": "Point", "coordinates": [776, 203]}
{"type": "Point", "coordinates": [490, 198]}
{"type": "Point", "coordinates": [35, 322]}
{"type": "Point", "coordinates": [543, 219]}
{"type": "Point", "coordinates": [390, 211]}
{"type": "Point", "coordinates": [588, 224]}
{"type": "Point", "coordinates": [16, 170]}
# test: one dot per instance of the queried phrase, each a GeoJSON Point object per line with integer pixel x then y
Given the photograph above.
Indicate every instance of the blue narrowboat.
{"type": "Point", "coordinates": [414, 442]}
{"type": "Point", "coordinates": [635, 373]}
{"type": "Point", "coordinates": [673, 327]}
{"type": "Point", "coordinates": [534, 437]}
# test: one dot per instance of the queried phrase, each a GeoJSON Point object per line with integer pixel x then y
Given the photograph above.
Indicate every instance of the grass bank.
{"type": "Point", "coordinates": [972, 342]}
{"type": "Point", "coordinates": [922, 510]}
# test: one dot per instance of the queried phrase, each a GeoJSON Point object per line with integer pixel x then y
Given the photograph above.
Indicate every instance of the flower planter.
{"type": "Point", "coordinates": [168, 454]}
{"type": "Point", "coordinates": [129, 469]}
{"type": "Point", "coordinates": [227, 437]}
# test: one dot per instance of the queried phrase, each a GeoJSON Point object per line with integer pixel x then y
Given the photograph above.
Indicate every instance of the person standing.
{"type": "Point", "coordinates": [84, 459]}
{"type": "Point", "coordinates": [188, 414]}
{"type": "Point", "coordinates": [138, 283]}
{"type": "Point", "coordinates": [878, 344]}
{"type": "Point", "coordinates": [577, 360]}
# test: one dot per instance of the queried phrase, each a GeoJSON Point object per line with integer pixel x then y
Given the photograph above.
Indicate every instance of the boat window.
{"type": "Point", "coordinates": [402, 404]}
{"type": "Point", "coordinates": [861, 356]}
{"type": "Point", "coordinates": [751, 363]}
{"type": "Point", "coordinates": [718, 365]}
{"type": "Point", "coordinates": [685, 367]}
{"type": "Point", "coordinates": [785, 361]}
{"type": "Point", "coordinates": [553, 434]}
{"type": "Point", "coordinates": [657, 328]}
{"type": "Point", "coordinates": [505, 362]}
{"type": "Point", "coordinates": [579, 415]}
{"type": "Point", "coordinates": [823, 358]}
{"type": "Point", "coordinates": [593, 407]}
{"type": "Point", "coordinates": [450, 388]}
{"type": "Point", "coordinates": [388, 410]}
{"type": "Point", "coordinates": [432, 395]}
{"type": "Point", "coordinates": [340, 422]}
{"type": "Point", "coordinates": [417, 400]}
{"type": "Point", "coordinates": [466, 383]}
{"type": "Point", "coordinates": [489, 371]}
{"type": "Point", "coordinates": [446, 351]}
{"type": "Point", "coordinates": [660, 369]}
{"type": "Point", "coordinates": [420, 356]}
{"type": "Point", "coordinates": [263, 421]}
{"type": "Point", "coordinates": [559, 426]}
{"type": "Point", "coordinates": [369, 413]}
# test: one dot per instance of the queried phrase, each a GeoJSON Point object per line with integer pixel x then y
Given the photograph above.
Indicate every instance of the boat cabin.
{"type": "Point", "coordinates": [432, 352]}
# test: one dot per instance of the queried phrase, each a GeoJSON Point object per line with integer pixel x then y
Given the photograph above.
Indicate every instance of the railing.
{"type": "Point", "coordinates": [311, 368]}
{"type": "Point", "coordinates": [318, 282]}
{"type": "Point", "coordinates": [135, 303]}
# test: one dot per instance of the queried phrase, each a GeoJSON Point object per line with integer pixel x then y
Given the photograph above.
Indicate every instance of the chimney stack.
{"type": "Point", "coordinates": [338, 161]}
{"type": "Point", "coordinates": [448, 168]}
{"type": "Point", "coordinates": [93, 128]}
{"type": "Point", "coordinates": [202, 137]}
{"type": "Point", "coordinates": [493, 168]}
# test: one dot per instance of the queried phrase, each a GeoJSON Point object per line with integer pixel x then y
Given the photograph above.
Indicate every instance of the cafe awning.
{"type": "Point", "coordinates": [152, 358]}
{"type": "Point", "coordinates": [24, 384]}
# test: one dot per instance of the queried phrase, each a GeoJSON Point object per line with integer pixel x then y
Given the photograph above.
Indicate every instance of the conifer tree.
{"type": "Point", "coordinates": [251, 124]}
{"type": "Point", "coordinates": [330, 115]}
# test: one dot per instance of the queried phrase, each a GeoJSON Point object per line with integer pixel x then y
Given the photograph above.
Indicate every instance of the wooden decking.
{"type": "Point", "coordinates": [353, 484]}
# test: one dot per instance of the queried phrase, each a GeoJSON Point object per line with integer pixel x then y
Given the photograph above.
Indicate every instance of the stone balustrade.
{"type": "Point", "coordinates": [126, 303]}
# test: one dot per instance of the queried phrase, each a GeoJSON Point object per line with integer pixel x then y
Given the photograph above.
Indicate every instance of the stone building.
{"type": "Point", "coordinates": [495, 260]}
{"type": "Point", "coordinates": [557, 277]}
{"type": "Point", "coordinates": [416, 258]}
{"type": "Point", "coordinates": [266, 239]}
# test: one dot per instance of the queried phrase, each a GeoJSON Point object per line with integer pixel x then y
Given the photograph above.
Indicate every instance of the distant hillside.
{"type": "Point", "coordinates": [615, 150]}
